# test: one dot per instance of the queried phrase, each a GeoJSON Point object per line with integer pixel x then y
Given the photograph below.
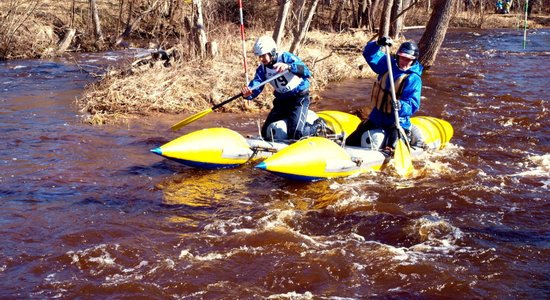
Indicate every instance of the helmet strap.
{"type": "Point", "coordinates": [273, 56]}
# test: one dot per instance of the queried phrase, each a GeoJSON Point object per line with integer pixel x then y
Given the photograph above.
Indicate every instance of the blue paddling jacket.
{"type": "Point", "coordinates": [408, 85]}
{"type": "Point", "coordinates": [291, 84]}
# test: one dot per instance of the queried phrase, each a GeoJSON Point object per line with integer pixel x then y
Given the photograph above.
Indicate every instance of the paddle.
{"type": "Point", "coordinates": [402, 154]}
{"type": "Point", "coordinates": [203, 113]}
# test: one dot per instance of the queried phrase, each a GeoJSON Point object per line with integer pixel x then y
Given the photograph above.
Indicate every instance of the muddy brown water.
{"type": "Point", "coordinates": [88, 212]}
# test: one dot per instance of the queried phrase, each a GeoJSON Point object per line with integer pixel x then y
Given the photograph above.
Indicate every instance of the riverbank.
{"type": "Point", "coordinates": [191, 86]}
{"type": "Point", "coordinates": [186, 85]}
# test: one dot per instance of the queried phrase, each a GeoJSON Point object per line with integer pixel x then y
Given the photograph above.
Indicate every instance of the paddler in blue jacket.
{"type": "Point", "coordinates": [379, 131]}
{"type": "Point", "coordinates": [291, 90]}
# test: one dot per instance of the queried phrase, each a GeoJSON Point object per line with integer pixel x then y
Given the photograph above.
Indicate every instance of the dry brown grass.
{"type": "Point", "coordinates": [192, 86]}
{"type": "Point", "coordinates": [32, 28]}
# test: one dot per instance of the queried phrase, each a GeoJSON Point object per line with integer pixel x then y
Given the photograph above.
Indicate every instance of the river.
{"type": "Point", "coordinates": [88, 212]}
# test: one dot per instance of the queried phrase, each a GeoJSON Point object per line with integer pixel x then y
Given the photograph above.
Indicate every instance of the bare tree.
{"type": "Point", "coordinates": [481, 6]}
{"type": "Point", "coordinates": [303, 28]}
{"type": "Point", "coordinates": [384, 28]}
{"type": "Point", "coordinates": [279, 30]}
{"type": "Point", "coordinates": [130, 25]}
{"type": "Point", "coordinates": [95, 21]}
{"type": "Point", "coordinates": [72, 13]}
{"type": "Point", "coordinates": [372, 10]}
{"type": "Point", "coordinates": [11, 22]}
{"type": "Point", "coordinates": [400, 7]}
{"type": "Point", "coordinates": [363, 8]}
{"type": "Point", "coordinates": [199, 33]}
{"type": "Point", "coordinates": [396, 19]}
{"type": "Point", "coordinates": [120, 10]}
{"type": "Point", "coordinates": [435, 31]}
{"type": "Point", "coordinates": [297, 14]}
{"type": "Point", "coordinates": [337, 16]}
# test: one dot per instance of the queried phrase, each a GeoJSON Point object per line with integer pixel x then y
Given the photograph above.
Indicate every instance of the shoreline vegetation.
{"type": "Point", "coordinates": [174, 79]}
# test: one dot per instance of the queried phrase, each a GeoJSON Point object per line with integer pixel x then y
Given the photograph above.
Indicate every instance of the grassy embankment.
{"type": "Point", "coordinates": [192, 84]}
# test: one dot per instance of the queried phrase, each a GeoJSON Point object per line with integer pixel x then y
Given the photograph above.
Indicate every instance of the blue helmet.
{"type": "Point", "coordinates": [409, 50]}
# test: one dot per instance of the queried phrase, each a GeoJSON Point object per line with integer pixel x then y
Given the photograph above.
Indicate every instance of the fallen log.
{"type": "Point", "coordinates": [67, 40]}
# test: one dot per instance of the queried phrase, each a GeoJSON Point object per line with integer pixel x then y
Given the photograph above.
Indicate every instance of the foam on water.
{"type": "Point", "coordinates": [536, 166]}
{"type": "Point", "coordinates": [99, 254]}
{"type": "Point", "coordinates": [292, 295]}
{"type": "Point", "coordinates": [348, 203]}
{"type": "Point", "coordinates": [207, 257]}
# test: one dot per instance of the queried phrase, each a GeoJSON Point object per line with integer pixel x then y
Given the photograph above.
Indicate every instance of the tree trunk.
{"type": "Point", "coordinates": [199, 32]}
{"type": "Point", "coordinates": [384, 28]}
{"type": "Point", "coordinates": [481, 13]}
{"type": "Point", "coordinates": [73, 10]}
{"type": "Point", "coordinates": [398, 16]}
{"type": "Point", "coordinates": [372, 12]}
{"type": "Point", "coordinates": [466, 5]}
{"type": "Point", "coordinates": [298, 7]}
{"type": "Point", "coordinates": [396, 22]}
{"type": "Point", "coordinates": [120, 11]}
{"type": "Point", "coordinates": [435, 32]}
{"type": "Point", "coordinates": [279, 31]}
{"type": "Point", "coordinates": [337, 17]}
{"type": "Point", "coordinates": [67, 40]}
{"type": "Point", "coordinates": [212, 48]}
{"type": "Point", "coordinates": [357, 14]}
{"type": "Point", "coordinates": [130, 25]}
{"type": "Point", "coordinates": [371, 9]}
{"type": "Point", "coordinates": [363, 13]}
{"type": "Point", "coordinates": [95, 21]}
{"type": "Point", "coordinates": [296, 43]}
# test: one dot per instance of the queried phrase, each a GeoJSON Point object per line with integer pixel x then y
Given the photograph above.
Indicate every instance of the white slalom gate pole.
{"type": "Point", "coordinates": [242, 40]}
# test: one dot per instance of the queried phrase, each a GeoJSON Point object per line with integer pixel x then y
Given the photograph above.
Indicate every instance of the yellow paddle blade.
{"type": "Point", "coordinates": [402, 159]}
{"type": "Point", "coordinates": [191, 119]}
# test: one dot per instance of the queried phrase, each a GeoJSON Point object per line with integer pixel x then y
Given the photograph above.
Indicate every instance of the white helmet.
{"type": "Point", "coordinates": [265, 44]}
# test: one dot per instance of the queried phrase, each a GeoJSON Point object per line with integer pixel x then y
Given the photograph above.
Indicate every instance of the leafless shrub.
{"type": "Point", "coordinates": [13, 15]}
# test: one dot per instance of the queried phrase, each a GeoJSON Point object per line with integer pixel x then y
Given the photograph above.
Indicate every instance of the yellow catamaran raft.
{"type": "Point", "coordinates": [309, 159]}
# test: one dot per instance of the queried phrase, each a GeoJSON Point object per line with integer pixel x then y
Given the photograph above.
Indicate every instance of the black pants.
{"type": "Point", "coordinates": [294, 111]}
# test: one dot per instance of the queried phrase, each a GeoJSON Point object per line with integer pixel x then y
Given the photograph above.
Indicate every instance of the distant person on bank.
{"type": "Point", "coordinates": [507, 6]}
{"type": "Point", "coordinates": [499, 6]}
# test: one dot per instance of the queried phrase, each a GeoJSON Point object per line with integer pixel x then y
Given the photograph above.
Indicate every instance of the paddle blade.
{"type": "Point", "coordinates": [402, 159]}
{"type": "Point", "coordinates": [191, 119]}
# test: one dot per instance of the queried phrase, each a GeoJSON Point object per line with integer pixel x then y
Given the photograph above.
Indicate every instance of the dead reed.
{"type": "Point", "coordinates": [191, 86]}
{"type": "Point", "coordinates": [33, 28]}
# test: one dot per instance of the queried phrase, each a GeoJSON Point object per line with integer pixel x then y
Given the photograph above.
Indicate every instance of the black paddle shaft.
{"type": "Point", "coordinates": [226, 101]}
{"type": "Point", "coordinates": [252, 88]}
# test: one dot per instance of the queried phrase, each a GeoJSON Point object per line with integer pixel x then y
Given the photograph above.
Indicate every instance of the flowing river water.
{"type": "Point", "coordinates": [89, 212]}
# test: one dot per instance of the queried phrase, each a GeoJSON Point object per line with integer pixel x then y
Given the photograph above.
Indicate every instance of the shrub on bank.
{"type": "Point", "coordinates": [191, 86]}
{"type": "Point", "coordinates": [36, 29]}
